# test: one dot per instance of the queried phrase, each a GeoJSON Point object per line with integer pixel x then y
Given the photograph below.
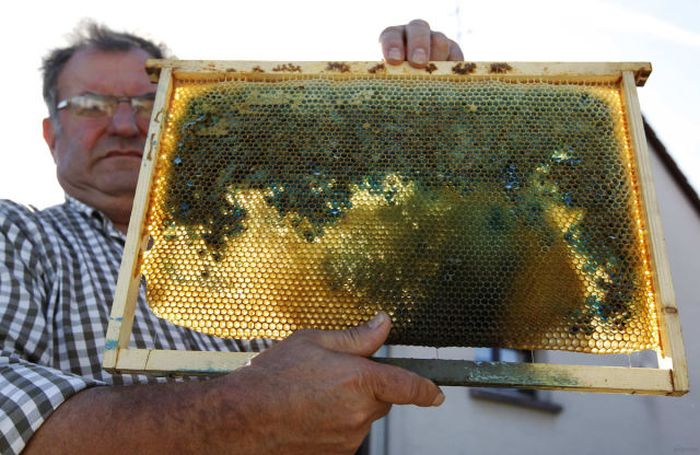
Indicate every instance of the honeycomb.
{"type": "Point", "coordinates": [488, 213]}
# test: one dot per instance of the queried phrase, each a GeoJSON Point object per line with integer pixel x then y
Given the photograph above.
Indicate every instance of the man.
{"type": "Point", "coordinates": [315, 392]}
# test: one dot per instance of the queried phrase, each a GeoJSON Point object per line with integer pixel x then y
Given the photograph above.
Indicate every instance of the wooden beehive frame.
{"type": "Point", "coordinates": [669, 378]}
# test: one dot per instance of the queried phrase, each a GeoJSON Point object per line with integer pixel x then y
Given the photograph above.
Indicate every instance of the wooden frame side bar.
{"type": "Point", "coordinates": [566, 71]}
{"type": "Point", "coordinates": [672, 354]}
{"type": "Point", "coordinates": [127, 290]}
{"type": "Point", "coordinates": [170, 362]}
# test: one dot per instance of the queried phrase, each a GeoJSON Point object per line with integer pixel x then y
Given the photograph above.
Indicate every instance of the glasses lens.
{"type": "Point", "coordinates": [91, 105]}
{"type": "Point", "coordinates": [143, 105]}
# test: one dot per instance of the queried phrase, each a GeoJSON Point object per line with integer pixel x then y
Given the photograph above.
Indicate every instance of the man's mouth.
{"type": "Point", "coordinates": [124, 154]}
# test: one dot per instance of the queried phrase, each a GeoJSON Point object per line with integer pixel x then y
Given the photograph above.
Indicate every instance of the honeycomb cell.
{"type": "Point", "coordinates": [474, 212]}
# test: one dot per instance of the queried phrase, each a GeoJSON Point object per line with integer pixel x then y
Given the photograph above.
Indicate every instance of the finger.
{"type": "Point", "coordinates": [392, 41]}
{"type": "Point", "coordinates": [439, 47]}
{"type": "Point", "coordinates": [418, 43]}
{"type": "Point", "coordinates": [455, 54]}
{"type": "Point", "coordinates": [363, 340]}
{"type": "Point", "coordinates": [395, 385]}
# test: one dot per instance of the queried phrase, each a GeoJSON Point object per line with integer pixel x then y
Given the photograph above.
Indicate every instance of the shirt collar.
{"type": "Point", "coordinates": [95, 216]}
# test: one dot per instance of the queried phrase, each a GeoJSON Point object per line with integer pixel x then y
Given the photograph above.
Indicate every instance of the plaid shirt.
{"type": "Point", "coordinates": [57, 276]}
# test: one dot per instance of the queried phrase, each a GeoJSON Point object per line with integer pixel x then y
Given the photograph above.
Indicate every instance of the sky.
{"type": "Point", "coordinates": [665, 33]}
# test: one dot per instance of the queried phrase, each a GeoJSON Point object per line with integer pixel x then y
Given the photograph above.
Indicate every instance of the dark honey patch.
{"type": "Point", "coordinates": [338, 66]}
{"type": "Point", "coordinates": [257, 69]}
{"type": "Point", "coordinates": [430, 68]}
{"type": "Point", "coordinates": [378, 68]}
{"type": "Point", "coordinates": [288, 68]}
{"type": "Point", "coordinates": [500, 68]}
{"type": "Point", "coordinates": [464, 68]}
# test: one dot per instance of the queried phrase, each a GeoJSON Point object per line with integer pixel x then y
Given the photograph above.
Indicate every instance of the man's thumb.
{"type": "Point", "coordinates": [363, 340]}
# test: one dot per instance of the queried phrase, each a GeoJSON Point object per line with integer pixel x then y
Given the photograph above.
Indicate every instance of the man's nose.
{"type": "Point", "coordinates": [124, 121]}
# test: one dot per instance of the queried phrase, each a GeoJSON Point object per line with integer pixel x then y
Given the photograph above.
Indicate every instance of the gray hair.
{"type": "Point", "coordinates": [95, 36]}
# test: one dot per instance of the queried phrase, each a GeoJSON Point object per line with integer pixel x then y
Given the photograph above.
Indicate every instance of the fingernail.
{"type": "Point", "coordinates": [376, 321]}
{"type": "Point", "coordinates": [439, 399]}
{"type": "Point", "coordinates": [394, 54]}
{"type": "Point", "coordinates": [419, 56]}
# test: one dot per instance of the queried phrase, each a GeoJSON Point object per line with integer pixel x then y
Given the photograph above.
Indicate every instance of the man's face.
{"type": "Point", "coordinates": [99, 157]}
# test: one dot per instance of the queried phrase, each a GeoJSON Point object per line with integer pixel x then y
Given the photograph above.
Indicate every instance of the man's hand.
{"type": "Point", "coordinates": [315, 392]}
{"type": "Point", "coordinates": [418, 44]}
{"type": "Point", "coordinates": [318, 393]}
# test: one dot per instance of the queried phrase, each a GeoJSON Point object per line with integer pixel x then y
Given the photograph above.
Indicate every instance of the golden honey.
{"type": "Point", "coordinates": [474, 212]}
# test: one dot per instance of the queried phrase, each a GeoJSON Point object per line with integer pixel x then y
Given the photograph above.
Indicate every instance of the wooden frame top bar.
{"type": "Point", "coordinates": [569, 71]}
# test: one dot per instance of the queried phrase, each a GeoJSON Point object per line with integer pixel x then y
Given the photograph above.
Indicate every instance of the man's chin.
{"type": "Point", "coordinates": [119, 184]}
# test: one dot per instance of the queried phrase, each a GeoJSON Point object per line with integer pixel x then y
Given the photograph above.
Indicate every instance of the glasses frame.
{"type": "Point", "coordinates": [669, 378]}
{"type": "Point", "coordinates": [112, 101]}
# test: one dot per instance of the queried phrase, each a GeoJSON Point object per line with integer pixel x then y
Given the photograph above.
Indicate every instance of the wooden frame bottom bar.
{"type": "Point", "coordinates": [576, 378]}
{"type": "Point", "coordinates": [573, 378]}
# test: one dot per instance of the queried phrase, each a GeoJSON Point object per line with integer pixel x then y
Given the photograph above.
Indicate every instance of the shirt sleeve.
{"type": "Point", "coordinates": [30, 387]}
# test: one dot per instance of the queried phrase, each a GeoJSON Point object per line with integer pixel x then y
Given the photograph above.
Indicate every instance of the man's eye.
{"type": "Point", "coordinates": [143, 104]}
{"type": "Point", "coordinates": [89, 106]}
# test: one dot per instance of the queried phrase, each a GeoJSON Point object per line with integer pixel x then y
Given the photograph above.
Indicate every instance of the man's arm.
{"type": "Point", "coordinates": [315, 392]}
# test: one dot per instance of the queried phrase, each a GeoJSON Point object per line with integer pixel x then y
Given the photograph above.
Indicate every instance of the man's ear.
{"type": "Point", "coordinates": [49, 135]}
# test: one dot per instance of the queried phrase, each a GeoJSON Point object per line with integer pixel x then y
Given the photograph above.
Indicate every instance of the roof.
{"type": "Point", "coordinates": [672, 168]}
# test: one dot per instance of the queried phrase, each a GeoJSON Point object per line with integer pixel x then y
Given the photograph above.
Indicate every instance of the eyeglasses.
{"type": "Point", "coordinates": [93, 105]}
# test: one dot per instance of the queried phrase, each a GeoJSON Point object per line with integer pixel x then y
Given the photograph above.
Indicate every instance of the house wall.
{"type": "Point", "coordinates": [589, 423]}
